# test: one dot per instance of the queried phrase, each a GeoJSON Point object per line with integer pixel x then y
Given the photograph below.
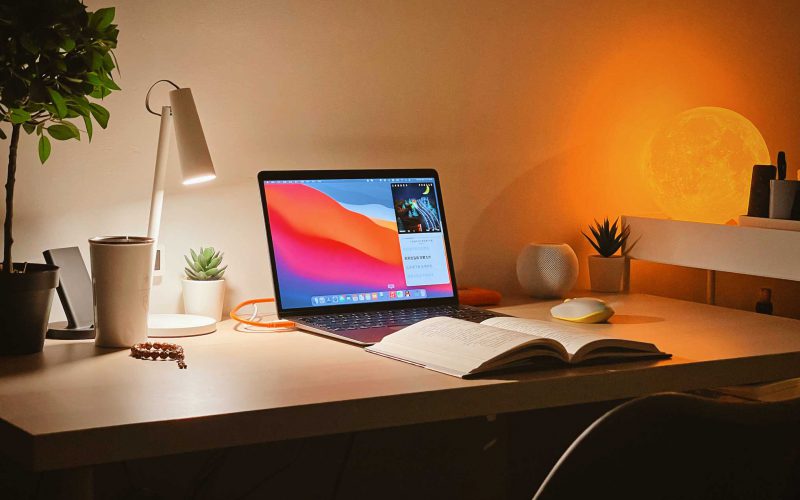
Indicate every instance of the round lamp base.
{"type": "Point", "coordinates": [179, 325]}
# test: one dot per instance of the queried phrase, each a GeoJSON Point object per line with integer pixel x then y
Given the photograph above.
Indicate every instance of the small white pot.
{"type": "Point", "coordinates": [606, 273]}
{"type": "Point", "coordinates": [204, 298]}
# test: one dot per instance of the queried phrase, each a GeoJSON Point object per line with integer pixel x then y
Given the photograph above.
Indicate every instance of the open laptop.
{"type": "Point", "coordinates": [359, 254]}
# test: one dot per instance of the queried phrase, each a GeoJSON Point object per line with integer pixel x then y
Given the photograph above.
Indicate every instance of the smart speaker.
{"type": "Point", "coordinates": [547, 271]}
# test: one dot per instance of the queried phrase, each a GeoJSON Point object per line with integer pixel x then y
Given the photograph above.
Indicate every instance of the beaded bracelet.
{"type": "Point", "coordinates": [159, 351]}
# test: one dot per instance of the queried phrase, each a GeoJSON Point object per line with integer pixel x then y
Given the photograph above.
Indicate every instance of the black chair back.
{"type": "Point", "coordinates": [680, 446]}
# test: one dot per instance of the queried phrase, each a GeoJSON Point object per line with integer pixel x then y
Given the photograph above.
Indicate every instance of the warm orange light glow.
{"type": "Point", "coordinates": [698, 165]}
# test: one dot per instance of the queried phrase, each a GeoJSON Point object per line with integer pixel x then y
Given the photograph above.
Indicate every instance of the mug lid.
{"type": "Point", "coordinates": [121, 240]}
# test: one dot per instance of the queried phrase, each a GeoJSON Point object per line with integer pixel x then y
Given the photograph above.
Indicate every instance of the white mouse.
{"type": "Point", "coordinates": [582, 310]}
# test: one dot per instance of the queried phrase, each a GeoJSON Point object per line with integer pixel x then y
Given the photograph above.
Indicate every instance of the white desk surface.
{"type": "Point", "coordinates": [75, 404]}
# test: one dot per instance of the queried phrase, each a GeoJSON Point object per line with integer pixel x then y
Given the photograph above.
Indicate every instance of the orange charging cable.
{"type": "Point", "coordinates": [281, 323]}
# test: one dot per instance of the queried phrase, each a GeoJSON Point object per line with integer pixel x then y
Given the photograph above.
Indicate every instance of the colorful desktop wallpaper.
{"type": "Point", "coordinates": [336, 238]}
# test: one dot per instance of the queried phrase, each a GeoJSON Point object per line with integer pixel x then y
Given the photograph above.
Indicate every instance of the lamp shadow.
{"type": "Point", "coordinates": [53, 354]}
{"type": "Point", "coordinates": [527, 211]}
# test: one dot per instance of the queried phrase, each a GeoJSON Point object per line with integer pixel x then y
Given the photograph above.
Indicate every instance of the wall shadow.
{"type": "Point", "coordinates": [537, 206]}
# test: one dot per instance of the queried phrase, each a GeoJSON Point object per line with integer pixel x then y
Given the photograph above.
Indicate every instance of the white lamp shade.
{"type": "Point", "coordinates": [196, 165]}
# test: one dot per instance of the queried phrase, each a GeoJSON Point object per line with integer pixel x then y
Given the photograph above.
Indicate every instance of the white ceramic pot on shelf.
{"type": "Point", "coordinates": [782, 198]}
{"type": "Point", "coordinates": [204, 298]}
{"type": "Point", "coordinates": [606, 273]}
{"type": "Point", "coordinates": [547, 271]}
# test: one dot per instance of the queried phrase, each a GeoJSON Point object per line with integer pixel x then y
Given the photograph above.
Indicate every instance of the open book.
{"type": "Point", "coordinates": [461, 348]}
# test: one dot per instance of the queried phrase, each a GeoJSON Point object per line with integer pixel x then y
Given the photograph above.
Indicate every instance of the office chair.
{"type": "Point", "coordinates": [679, 446]}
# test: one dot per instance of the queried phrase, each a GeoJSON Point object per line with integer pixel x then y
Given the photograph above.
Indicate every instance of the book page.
{"type": "Point", "coordinates": [571, 338]}
{"type": "Point", "coordinates": [581, 345]}
{"type": "Point", "coordinates": [470, 339]}
{"type": "Point", "coordinates": [455, 343]}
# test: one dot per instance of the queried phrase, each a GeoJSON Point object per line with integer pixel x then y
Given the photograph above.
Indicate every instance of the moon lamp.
{"type": "Point", "coordinates": [698, 164]}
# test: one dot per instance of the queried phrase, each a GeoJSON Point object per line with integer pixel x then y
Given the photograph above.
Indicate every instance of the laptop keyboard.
{"type": "Point", "coordinates": [395, 317]}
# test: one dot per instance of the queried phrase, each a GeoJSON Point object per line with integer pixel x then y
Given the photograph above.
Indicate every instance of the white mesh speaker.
{"type": "Point", "coordinates": [547, 271]}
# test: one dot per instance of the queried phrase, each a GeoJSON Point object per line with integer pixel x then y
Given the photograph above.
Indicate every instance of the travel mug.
{"type": "Point", "coordinates": [122, 268]}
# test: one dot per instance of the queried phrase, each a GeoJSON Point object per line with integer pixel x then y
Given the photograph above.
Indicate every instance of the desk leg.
{"type": "Point", "coordinates": [711, 287]}
{"type": "Point", "coordinates": [67, 484]}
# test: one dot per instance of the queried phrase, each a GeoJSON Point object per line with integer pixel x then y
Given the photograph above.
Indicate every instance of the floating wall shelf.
{"type": "Point", "coordinates": [771, 253]}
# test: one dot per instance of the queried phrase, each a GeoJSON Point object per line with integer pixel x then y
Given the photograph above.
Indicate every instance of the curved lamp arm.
{"type": "Point", "coordinates": [195, 159]}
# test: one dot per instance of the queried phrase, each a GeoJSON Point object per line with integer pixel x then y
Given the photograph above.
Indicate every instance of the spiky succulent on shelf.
{"type": "Point", "coordinates": [204, 265]}
{"type": "Point", "coordinates": [608, 238]}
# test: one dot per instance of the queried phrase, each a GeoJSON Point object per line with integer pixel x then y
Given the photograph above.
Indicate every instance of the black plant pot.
{"type": "Point", "coordinates": [25, 300]}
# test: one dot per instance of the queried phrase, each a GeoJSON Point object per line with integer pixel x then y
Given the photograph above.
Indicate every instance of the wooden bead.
{"type": "Point", "coordinates": [158, 351]}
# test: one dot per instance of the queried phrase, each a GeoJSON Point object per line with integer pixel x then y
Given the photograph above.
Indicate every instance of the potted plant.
{"type": "Point", "coordinates": [54, 55]}
{"type": "Point", "coordinates": [204, 287]}
{"type": "Point", "coordinates": [607, 269]}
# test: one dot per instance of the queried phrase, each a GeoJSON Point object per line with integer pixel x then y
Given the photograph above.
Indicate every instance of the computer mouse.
{"type": "Point", "coordinates": [582, 310]}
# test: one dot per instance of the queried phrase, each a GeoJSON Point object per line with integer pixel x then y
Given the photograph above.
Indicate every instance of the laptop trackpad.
{"type": "Point", "coordinates": [364, 336]}
{"type": "Point", "coordinates": [369, 335]}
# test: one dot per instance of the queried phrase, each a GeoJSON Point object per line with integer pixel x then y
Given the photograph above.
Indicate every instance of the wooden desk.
{"type": "Point", "coordinates": [75, 405]}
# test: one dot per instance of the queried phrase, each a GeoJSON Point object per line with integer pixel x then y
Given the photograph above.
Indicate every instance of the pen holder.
{"type": "Point", "coordinates": [122, 268]}
{"type": "Point", "coordinates": [758, 205]}
{"type": "Point", "coordinates": [783, 199]}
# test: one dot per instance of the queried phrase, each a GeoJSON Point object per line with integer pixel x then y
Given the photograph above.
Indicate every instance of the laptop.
{"type": "Point", "coordinates": [359, 254]}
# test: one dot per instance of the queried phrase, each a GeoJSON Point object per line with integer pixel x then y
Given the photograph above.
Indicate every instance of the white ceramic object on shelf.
{"type": "Point", "coordinates": [121, 273]}
{"type": "Point", "coordinates": [782, 197]}
{"type": "Point", "coordinates": [204, 298]}
{"type": "Point", "coordinates": [606, 273]}
{"type": "Point", "coordinates": [547, 271]}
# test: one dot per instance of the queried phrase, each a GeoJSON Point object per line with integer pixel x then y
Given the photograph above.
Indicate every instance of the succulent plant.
{"type": "Point", "coordinates": [608, 238]}
{"type": "Point", "coordinates": [204, 265]}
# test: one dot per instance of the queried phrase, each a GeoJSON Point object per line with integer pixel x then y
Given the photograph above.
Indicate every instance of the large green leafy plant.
{"type": "Point", "coordinates": [54, 56]}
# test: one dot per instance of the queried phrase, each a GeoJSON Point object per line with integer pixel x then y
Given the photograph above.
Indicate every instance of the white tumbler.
{"type": "Point", "coordinates": [122, 269]}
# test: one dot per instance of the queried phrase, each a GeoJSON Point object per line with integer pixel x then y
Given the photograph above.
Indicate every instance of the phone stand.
{"type": "Point", "coordinates": [61, 330]}
{"type": "Point", "coordinates": [75, 293]}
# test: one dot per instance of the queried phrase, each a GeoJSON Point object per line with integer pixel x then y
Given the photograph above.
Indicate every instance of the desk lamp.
{"type": "Point", "coordinates": [196, 167]}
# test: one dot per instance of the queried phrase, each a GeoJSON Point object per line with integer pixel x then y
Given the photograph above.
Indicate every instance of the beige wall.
{"type": "Point", "coordinates": [536, 114]}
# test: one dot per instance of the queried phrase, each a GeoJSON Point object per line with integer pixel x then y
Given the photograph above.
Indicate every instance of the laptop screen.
{"type": "Point", "coordinates": [354, 241]}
